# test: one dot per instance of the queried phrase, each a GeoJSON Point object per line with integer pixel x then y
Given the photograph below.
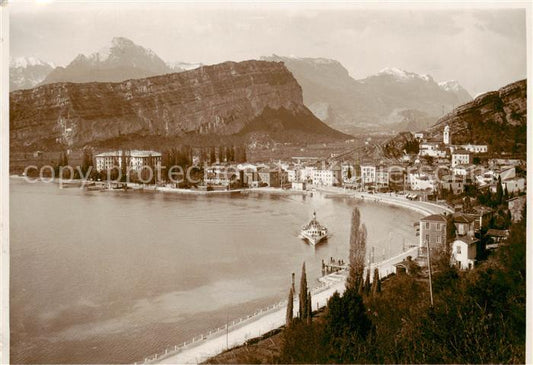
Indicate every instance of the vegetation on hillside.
{"type": "Point", "coordinates": [478, 316]}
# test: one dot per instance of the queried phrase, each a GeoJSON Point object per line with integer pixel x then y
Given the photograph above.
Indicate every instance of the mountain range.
{"type": "Point", "coordinates": [248, 101]}
{"type": "Point", "coordinates": [121, 60]}
{"type": "Point", "coordinates": [390, 99]}
{"type": "Point", "coordinates": [26, 72]}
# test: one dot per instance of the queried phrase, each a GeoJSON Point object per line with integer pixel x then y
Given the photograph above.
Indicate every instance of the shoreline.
{"type": "Point", "coordinates": [267, 319]}
{"type": "Point", "coordinates": [424, 208]}
{"type": "Point", "coordinates": [207, 347]}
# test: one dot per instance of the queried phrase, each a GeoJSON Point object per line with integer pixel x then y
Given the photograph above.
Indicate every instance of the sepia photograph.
{"type": "Point", "coordinates": [267, 182]}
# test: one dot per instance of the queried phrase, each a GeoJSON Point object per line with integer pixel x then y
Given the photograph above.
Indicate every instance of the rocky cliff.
{"type": "Point", "coordinates": [497, 118]}
{"type": "Point", "coordinates": [221, 100]}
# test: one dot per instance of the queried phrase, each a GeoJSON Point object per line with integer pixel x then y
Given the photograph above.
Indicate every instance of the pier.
{"type": "Point", "coordinates": [333, 265]}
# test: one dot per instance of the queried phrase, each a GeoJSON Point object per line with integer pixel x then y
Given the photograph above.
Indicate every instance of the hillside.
{"type": "Point", "coordinates": [230, 99]}
{"type": "Point", "coordinates": [497, 118]}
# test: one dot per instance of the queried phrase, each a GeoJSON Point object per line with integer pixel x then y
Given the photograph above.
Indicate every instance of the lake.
{"type": "Point", "coordinates": [113, 277]}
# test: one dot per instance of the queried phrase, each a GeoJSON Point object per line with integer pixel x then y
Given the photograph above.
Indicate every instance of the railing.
{"type": "Point", "coordinates": [385, 268]}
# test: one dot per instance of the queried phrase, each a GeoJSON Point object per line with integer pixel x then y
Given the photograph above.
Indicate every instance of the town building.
{"type": "Point", "coordinates": [422, 181]}
{"type": "Point", "coordinates": [464, 224]}
{"type": "Point", "coordinates": [474, 148]}
{"type": "Point", "coordinates": [461, 157]}
{"type": "Point", "coordinates": [134, 159]}
{"type": "Point", "coordinates": [307, 173]}
{"type": "Point", "coordinates": [515, 185]}
{"type": "Point", "coordinates": [496, 237]}
{"type": "Point", "coordinates": [482, 216]}
{"type": "Point", "coordinates": [293, 174]}
{"type": "Point", "coordinates": [269, 177]}
{"type": "Point", "coordinates": [298, 185]}
{"type": "Point", "coordinates": [431, 149]}
{"type": "Point", "coordinates": [219, 175]}
{"type": "Point", "coordinates": [433, 232]}
{"type": "Point", "coordinates": [464, 252]}
{"type": "Point", "coordinates": [382, 176]}
{"type": "Point", "coordinates": [349, 175]}
{"type": "Point", "coordinates": [327, 176]}
{"type": "Point", "coordinates": [463, 170]}
{"type": "Point", "coordinates": [368, 173]}
{"type": "Point", "coordinates": [250, 178]}
{"type": "Point", "coordinates": [516, 207]}
{"type": "Point", "coordinates": [452, 184]}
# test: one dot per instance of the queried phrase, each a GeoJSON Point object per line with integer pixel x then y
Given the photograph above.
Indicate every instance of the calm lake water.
{"type": "Point", "coordinates": [113, 277]}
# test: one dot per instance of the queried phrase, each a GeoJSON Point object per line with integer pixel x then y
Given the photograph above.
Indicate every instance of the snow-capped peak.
{"type": "Point", "coordinates": [104, 53]}
{"type": "Point", "coordinates": [403, 75]}
{"type": "Point", "coordinates": [122, 42]}
{"type": "Point", "coordinates": [184, 65]}
{"type": "Point", "coordinates": [451, 85]}
{"type": "Point", "coordinates": [24, 62]}
{"type": "Point", "coordinates": [393, 71]}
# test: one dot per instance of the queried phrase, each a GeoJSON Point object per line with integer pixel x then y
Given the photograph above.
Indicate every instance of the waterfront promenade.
{"type": "Point", "coordinates": [238, 332]}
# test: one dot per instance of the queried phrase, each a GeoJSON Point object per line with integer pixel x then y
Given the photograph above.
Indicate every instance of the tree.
{"type": "Point", "coordinates": [467, 204]}
{"type": "Point", "coordinates": [347, 328]}
{"type": "Point", "coordinates": [303, 294]}
{"type": "Point", "coordinates": [376, 282]}
{"type": "Point", "coordinates": [349, 173]}
{"type": "Point", "coordinates": [499, 191]}
{"type": "Point", "coordinates": [367, 282]}
{"type": "Point", "coordinates": [212, 155]}
{"type": "Point", "coordinates": [357, 251]}
{"type": "Point", "coordinates": [290, 304]}
{"type": "Point", "coordinates": [87, 161]}
{"type": "Point", "coordinates": [309, 311]}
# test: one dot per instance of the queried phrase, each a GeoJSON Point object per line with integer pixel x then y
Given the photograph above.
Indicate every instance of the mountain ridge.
{"type": "Point", "coordinates": [351, 104]}
{"type": "Point", "coordinates": [220, 99]}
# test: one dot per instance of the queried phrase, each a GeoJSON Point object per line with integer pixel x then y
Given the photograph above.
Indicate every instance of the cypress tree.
{"type": "Point", "coordinates": [309, 308]}
{"type": "Point", "coordinates": [303, 294]}
{"type": "Point", "coordinates": [357, 252]}
{"type": "Point", "coordinates": [499, 191]}
{"type": "Point", "coordinates": [367, 282]}
{"type": "Point", "coordinates": [212, 155]}
{"type": "Point", "coordinates": [376, 282]}
{"type": "Point", "coordinates": [290, 304]}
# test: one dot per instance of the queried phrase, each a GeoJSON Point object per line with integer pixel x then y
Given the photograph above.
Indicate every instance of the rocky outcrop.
{"type": "Point", "coordinates": [497, 118]}
{"type": "Point", "coordinates": [226, 99]}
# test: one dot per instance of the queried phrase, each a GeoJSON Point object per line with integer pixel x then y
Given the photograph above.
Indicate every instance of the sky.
{"type": "Point", "coordinates": [482, 48]}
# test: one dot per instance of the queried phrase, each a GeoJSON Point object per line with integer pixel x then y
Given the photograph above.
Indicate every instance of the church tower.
{"type": "Point", "coordinates": [446, 138]}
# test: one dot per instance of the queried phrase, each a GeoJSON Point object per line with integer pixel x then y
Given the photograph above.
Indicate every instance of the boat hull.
{"type": "Point", "coordinates": [313, 240]}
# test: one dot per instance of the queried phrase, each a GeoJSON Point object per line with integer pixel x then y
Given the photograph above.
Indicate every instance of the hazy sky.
{"type": "Point", "coordinates": [484, 49]}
